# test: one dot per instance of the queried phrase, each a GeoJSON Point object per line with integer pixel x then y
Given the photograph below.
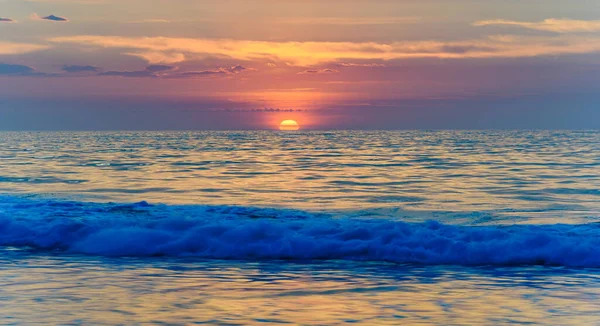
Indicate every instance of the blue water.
{"type": "Point", "coordinates": [363, 227]}
{"type": "Point", "coordinates": [244, 233]}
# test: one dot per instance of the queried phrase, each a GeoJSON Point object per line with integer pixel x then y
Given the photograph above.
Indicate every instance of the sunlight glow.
{"type": "Point", "coordinates": [289, 125]}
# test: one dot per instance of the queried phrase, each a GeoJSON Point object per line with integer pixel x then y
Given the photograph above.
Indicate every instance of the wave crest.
{"type": "Point", "coordinates": [229, 232]}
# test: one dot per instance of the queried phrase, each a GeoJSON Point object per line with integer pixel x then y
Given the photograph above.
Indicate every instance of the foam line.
{"type": "Point", "coordinates": [227, 232]}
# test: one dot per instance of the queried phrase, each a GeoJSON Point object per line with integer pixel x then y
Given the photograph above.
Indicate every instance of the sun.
{"type": "Point", "coordinates": [289, 125]}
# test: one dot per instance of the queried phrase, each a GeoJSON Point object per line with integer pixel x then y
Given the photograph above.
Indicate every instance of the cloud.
{"type": "Point", "coordinates": [155, 71]}
{"type": "Point", "coordinates": [158, 49]}
{"type": "Point", "coordinates": [167, 57]}
{"type": "Point", "coordinates": [236, 69]}
{"type": "Point", "coordinates": [21, 70]}
{"type": "Point", "coordinates": [203, 73]}
{"type": "Point", "coordinates": [9, 69]}
{"type": "Point", "coordinates": [76, 69]}
{"type": "Point", "coordinates": [55, 18]}
{"type": "Point", "coordinates": [148, 72]}
{"type": "Point", "coordinates": [208, 73]}
{"type": "Point", "coordinates": [141, 73]}
{"type": "Point", "coordinates": [369, 65]}
{"type": "Point", "coordinates": [6, 20]}
{"type": "Point", "coordinates": [159, 68]}
{"type": "Point", "coordinates": [9, 48]}
{"type": "Point", "coordinates": [152, 71]}
{"type": "Point", "coordinates": [550, 25]}
{"type": "Point", "coordinates": [318, 72]}
{"type": "Point", "coordinates": [52, 18]}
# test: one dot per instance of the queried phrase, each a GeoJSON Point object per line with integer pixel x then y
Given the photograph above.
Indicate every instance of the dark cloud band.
{"type": "Point", "coordinates": [76, 69]}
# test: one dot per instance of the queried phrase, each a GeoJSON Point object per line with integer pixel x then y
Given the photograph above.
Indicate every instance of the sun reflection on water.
{"type": "Point", "coordinates": [549, 176]}
{"type": "Point", "coordinates": [64, 290]}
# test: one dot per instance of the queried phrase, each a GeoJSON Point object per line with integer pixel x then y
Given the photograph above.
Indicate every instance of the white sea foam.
{"type": "Point", "coordinates": [229, 232]}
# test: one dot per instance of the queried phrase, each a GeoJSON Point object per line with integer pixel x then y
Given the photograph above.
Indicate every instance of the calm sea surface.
{"type": "Point", "coordinates": [364, 227]}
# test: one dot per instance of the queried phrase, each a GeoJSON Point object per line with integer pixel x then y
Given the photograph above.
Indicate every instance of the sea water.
{"type": "Point", "coordinates": [364, 227]}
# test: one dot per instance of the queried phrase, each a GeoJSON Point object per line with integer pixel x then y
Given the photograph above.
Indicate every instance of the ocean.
{"type": "Point", "coordinates": [310, 228]}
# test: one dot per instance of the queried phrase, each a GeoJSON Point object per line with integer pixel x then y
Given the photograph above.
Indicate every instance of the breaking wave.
{"type": "Point", "coordinates": [247, 233]}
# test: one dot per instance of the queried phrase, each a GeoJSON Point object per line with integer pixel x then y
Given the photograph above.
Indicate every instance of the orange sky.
{"type": "Point", "coordinates": [354, 63]}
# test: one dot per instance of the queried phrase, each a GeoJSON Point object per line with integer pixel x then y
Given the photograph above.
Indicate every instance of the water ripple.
{"type": "Point", "coordinates": [457, 171]}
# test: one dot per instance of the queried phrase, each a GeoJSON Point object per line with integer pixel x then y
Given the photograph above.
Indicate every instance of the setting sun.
{"type": "Point", "coordinates": [289, 125]}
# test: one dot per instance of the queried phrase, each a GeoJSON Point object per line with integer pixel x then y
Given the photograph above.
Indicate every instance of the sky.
{"type": "Point", "coordinates": [336, 64]}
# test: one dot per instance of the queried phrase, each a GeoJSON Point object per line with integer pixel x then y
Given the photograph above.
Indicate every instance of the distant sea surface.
{"type": "Point", "coordinates": [363, 227]}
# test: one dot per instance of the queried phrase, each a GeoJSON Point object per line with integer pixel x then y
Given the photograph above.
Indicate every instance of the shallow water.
{"type": "Point", "coordinates": [481, 227]}
{"type": "Point", "coordinates": [63, 289]}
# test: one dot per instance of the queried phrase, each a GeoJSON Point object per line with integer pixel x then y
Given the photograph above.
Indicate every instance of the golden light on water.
{"type": "Point", "coordinates": [289, 125]}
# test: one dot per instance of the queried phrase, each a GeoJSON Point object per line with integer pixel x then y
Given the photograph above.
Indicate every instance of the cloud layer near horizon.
{"type": "Point", "coordinates": [172, 50]}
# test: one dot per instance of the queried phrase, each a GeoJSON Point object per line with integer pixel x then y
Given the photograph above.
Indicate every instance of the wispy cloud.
{"type": "Point", "coordinates": [8, 48]}
{"type": "Point", "coordinates": [162, 57]}
{"type": "Point", "coordinates": [236, 69]}
{"type": "Point", "coordinates": [317, 72]}
{"type": "Point", "coordinates": [202, 73]}
{"type": "Point", "coordinates": [136, 74]}
{"type": "Point", "coordinates": [164, 71]}
{"type": "Point", "coordinates": [550, 25]}
{"type": "Point", "coordinates": [158, 49]}
{"type": "Point", "coordinates": [159, 68]}
{"type": "Point", "coordinates": [150, 71]}
{"type": "Point", "coordinates": [367, 65]}
{"type": "Point", "coordinates": [209, 73]}
{"type": "Point", "coordinates": [76, 69]}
